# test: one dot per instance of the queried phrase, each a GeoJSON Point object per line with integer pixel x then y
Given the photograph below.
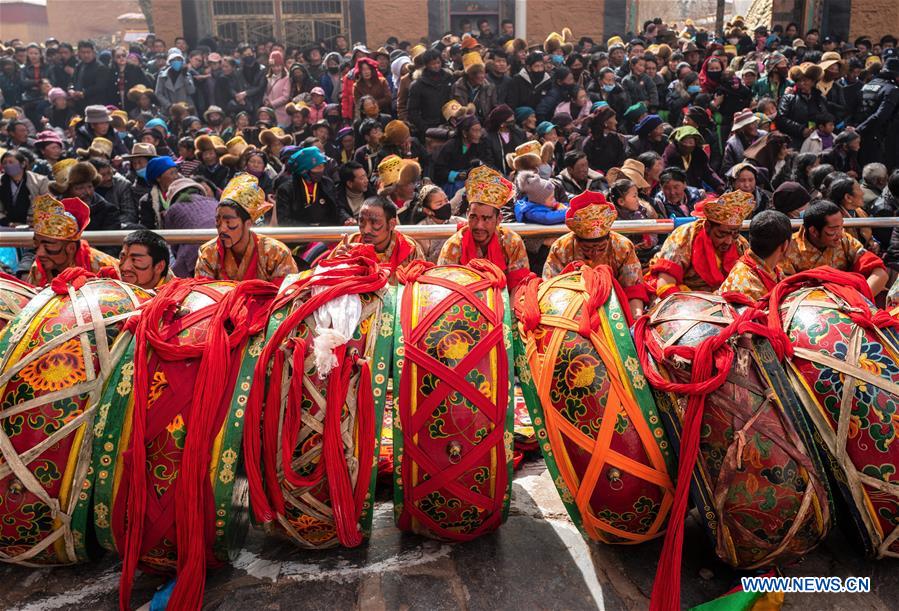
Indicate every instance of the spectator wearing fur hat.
{"type": "Point", "coordinates": [397, 140]}
{"type": "Point", "coordinates": [536, 200]}
{"type": "Point", "coordinates": [81, 182]}
{"type": "Point", "coordinates": [429, 92]}
{"type": "Point", "coordinates": [473, 87]}
{"type": "Point", "coordinates": [797, 110]}
{"type": "Point", "coordinates": [209, 149]}
{"type": "Point", "coordinates": [398, 180]}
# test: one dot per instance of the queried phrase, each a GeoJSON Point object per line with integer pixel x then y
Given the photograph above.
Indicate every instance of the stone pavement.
{"type": "Point", "coordinates": [537, 560]}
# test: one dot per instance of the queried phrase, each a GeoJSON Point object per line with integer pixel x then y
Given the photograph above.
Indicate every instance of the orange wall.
{"type": "Point", "coordinates": [584, 18]}
{"type": "Point", "coordinates": [72, 20]}
{"type": "Point", "coordinates": [405, 19]}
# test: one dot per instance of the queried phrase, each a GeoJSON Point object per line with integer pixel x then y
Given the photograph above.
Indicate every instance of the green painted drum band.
{"type": "Point", "coordinates": [115, 403]}
{"type": "Point", "coordinates": [509, 438]}
{"type": "Point", "coordinates": [397, 426]}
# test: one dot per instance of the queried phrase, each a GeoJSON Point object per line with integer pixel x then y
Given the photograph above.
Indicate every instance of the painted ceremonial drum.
{"type": "Point", "coordinates": [14, 296]}
{"type": "Point", "coordinates": [595, 416]}
{"type": "Point", "coordinates": [453, 419]}
{"type": "Point", "coordinates": [172, 378]}
{"type": "Point", "coordinates": [848, 379]}
{"type": "Point", "coordinates": [758, 483]}
{"type": "Point", "coordinates": [320, 432]}
{"type": "Point", "coordinates": [56, 355]}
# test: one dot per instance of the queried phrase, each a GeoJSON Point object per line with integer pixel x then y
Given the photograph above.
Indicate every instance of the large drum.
{"type": "Point", "coordinates": [14, 296]}
{"type": "Point", "coordinates": [757, 482]}
{"type": "Point", "coordinates": [595, 416]}
{"type": "Point", "coordinates": [845, 367]}
{"type": "Point", "coordinates": [453, 420]}
{"type": "Point", "coordinates": [193, 396]}
{"type": "Point", "coordinates": [324, 374]}
{"type": "Point", "coordinates": [56, 355]}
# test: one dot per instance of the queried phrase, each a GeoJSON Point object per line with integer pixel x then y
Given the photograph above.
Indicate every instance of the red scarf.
{"type": "Point", "coordinates": [82, 260]}
{"type": "Point", "coordinates": [750, 262]}
{"type": "Point", "coordinates": [471, 251]}
{"type": "Point", "coordinates": [705, 260]}
{"type": "Point", "coordinates": [252, 267]}
{"type": "Point", "coordinates": [400, 252]}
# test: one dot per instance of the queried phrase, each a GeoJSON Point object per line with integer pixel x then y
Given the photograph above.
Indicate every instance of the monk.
{"type": "Point", "coordinates": [484, 237]}
{"type": "Point", "coordinates": [591, 240]}
{"type": "Point", "coordinates": [377, 226]}
{"type": "Point", "coordinates": [144, 260]}
{"type": "Point", "coordinates": [699, 256]}
{"type": "Point", "coordinates": [758, 270]}
{"type": "Point", "coordinates": [822, 241]}
{"type": "Point", "coordinates": [58, 226]}
{"type": "Point", "coordinates": [238, 253]}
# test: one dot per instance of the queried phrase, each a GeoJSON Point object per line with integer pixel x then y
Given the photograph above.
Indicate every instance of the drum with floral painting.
{"type": "Point", "coordinates": [56, 355]}
{"type": "Point", "coordinates": [302, 475]}
{"type": "Point", "coordinates": [169, 404]}
{"type": "Point", "coordinates": [758, 482]}
{"type": "Point", "coordinates": [453, 416]}
{"type": "Point", "coordinates": [595, 416]}
{"type": "Point", "coordinates": [14, 296]}
{"type": "Point", "coordinates": [848, 379]}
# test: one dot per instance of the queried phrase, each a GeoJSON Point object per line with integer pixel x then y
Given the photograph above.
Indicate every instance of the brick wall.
{"type": "Point", "coordinates": [167, 21]}
{"type": "Point", "coordinates": [584, 18]}
{"type": "Point", "coordinates": [874, 18]}
{"type": "Point", "coordinates": [73, 20]}
{"type": "Point", "coordinates": [405, 19]}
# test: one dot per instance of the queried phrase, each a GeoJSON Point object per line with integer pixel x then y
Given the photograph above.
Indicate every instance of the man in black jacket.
{"type": "Point", "coordinates": [530, 85]}
{"type": "Point", "coordinates": [254, 76]}
{"type": "Point", "coordinates": [82, 180]}
{"type": "Point", "coordinates": [498, 74]}
{"type": "Point", "coordinates": [92, 82]}
{"type": "Point", "coordinates": [354, 188]}
{"type": "Point", "coordinates": [429, 92]}
{"type": "Point", "coordinates": [307, 199]}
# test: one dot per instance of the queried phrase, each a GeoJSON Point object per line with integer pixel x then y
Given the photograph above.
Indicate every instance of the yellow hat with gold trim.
{"type": "Point", "coordinates": [730, 209]}
{"type": "Point", "coordinates": [487, 186]}
{"type": "Point", "coordinates": [244, 190]}
{"type": "Point", "coordinates": [471, 60]}
{"type": "Point", "coordinates": [60, 220]}
{"type": "Point", "coordinates": [590, 215]}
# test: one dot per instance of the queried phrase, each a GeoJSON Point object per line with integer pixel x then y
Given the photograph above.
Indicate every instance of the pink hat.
{"type": "Point", "coordinates": [276, 58]}
{"type": "Point", "coordinates": [317, 91]}
{"type": "Point", "coordinates": [47, 136]}
{"type": "Point", "coordinates": [55, 93]}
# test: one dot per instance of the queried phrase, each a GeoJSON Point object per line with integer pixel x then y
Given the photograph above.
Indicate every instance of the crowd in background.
{"type": "Point", "coordinates": [149, 134]}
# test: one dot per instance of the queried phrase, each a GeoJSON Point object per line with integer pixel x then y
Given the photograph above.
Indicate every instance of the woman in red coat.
{"type": "Point", "coordinates": [368, 81]}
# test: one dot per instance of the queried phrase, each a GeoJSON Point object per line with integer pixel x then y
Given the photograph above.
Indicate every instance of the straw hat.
{"type": "Point", "coordinates": [141, 149]}
{"type": "Point", "coordinates": [100, 147]}
{"type": "Point", "coordinates": [829, 59]}
{"type": "Point", "coordinates": [267, 136]}
{"type": "Point", "coordinates": [631, 169]}
{"type": "Point", "coordinates": [209, 143]}
{"type": "Point", "coordinates": [236, 146]}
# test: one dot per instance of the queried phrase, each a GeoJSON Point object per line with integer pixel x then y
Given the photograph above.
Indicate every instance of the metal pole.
{"type": "Point", "coordinates": [295, 235]}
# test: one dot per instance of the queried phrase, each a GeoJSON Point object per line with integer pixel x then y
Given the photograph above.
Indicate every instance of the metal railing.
{"type": "Point", "coordinates": [332, 234]}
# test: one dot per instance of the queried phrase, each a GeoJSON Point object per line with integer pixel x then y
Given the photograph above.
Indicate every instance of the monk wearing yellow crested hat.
{"type": "Point", "coordinates": [591, 240]}
{"type": "Point", "coordinates": [58, 226]}
{"type": "Point", "coordinates": [238, 253]}
{"type": "Point", "coordinates": [483, 237]}
{"type": "Point", "coordinates": [699, 256]}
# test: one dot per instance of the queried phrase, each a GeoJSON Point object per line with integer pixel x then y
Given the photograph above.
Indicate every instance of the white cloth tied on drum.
{"type": "Point", "coordinates": [335, 323]}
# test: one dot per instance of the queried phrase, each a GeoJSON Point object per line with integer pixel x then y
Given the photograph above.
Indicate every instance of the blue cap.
{"type": "Point", "coordinates": [157, 123]}
{"type": "Point", "coordinates": [305, 159]}
{"type": "Point", "coordinates": [544, 128]}
{"type": "Point", "coordinates": [158, 166]}
{"type": "Point", "coordinates": [597, 105]}
{"type": "Point", "coordinates": [523, 112]}
{"type": "Point", "coordinates": [647, 124]}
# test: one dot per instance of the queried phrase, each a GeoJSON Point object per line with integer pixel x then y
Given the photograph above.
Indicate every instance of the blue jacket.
{"type": "Point", "coordinates": [527, 211]}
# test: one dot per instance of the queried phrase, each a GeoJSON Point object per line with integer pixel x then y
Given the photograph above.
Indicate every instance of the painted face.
{"type": "Point", "coordinates": [54, 255]}
{"type": "Point", "coordinates": [482, 222]}
{"type": "Point", "coordinates": [723, 236]}
{"type": "Point", "coordinates": [375, 228]}
{"type": "Point", "coordinates": [594, 249]}
{"type": "Point", "coordinates": [231, 229]}
{"type": "Point", "coordinates": [137, 267]}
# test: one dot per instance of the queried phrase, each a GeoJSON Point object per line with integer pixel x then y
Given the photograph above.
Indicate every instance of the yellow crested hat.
{"type": "Point", "coordinates": [590, 216]}
{"type": "Point", "coordinates": [731, 209]}
{"type": "Point", "coordinates": [450, 109]}
{"type": "Point", "coordinates": [60, 220]}
{"type": "Point", "coordinates": [487, 186]}
{"type": "Point", "coordinates": [244, 190]}
{"type": "Point", "coordinates": [471, 59]}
